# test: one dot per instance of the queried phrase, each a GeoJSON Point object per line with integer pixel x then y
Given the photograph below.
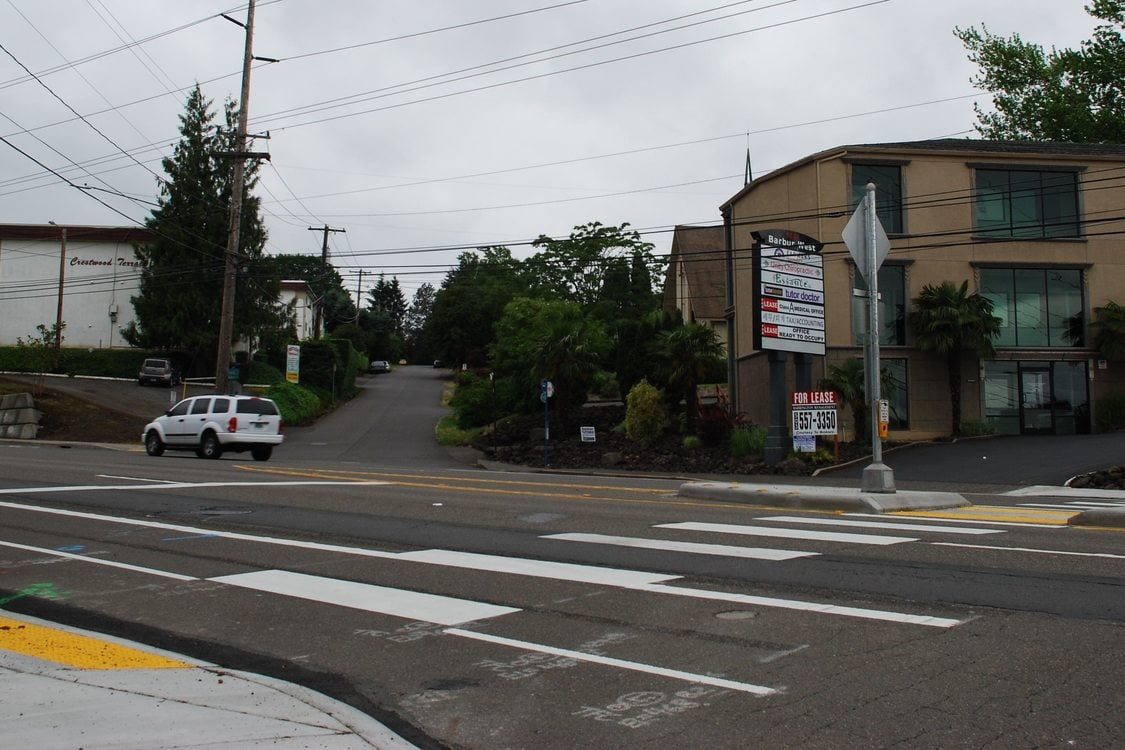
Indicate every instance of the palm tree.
{"type": "Point", "coordinates": [1109, 331]}
{"type": "Point", "coordinates": [848, 379]}
{"type": "Point", "coordinates": [947, 319]}
{"type": "Point", "coordinates": [689, 354]}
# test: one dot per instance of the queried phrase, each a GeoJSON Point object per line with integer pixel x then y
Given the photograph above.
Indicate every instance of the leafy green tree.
{"type": "Point", "coordinates": [181, 286]}
{"type": "Point", "coordinates": [948, 320]}
{"type": "Point", "coordinates": [1062, 95]}
{"type": "Point", "coordinates": [551, 339]}
{"type": "Point", "coordinates": [689, 355]}
{"type": "Point", "coordinates": [576, 268]}
{"type": "Point", "coordinates": [1109, 331]}
{"type": "Point", "coordinates": [471, 300]}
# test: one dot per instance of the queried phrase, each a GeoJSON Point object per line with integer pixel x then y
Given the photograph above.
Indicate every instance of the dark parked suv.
{"type": "Point", "coordinates": [159, 371]}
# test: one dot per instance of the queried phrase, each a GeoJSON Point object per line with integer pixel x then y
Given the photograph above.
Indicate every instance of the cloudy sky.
{"type": "Point", "coordinates": [425, 127]}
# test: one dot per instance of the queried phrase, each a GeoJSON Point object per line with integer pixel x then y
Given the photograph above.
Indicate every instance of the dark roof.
{"type": "Point", "coordinates": [702, 252]}
{"type": "Point", "coordinates": [949, 145]}
{"type": "Point", "coordinates": [1003, 147]}
{"type": "Point", "coordinates": [77, 233]}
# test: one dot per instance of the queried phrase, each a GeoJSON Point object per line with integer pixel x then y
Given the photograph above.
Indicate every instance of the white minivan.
{"type": "Point", "coordinates": [211, 425]}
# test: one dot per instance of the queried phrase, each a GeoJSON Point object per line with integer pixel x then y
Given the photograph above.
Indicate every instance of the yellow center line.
{"type": "Point", "coordinates": [76, 650]}
{"type": "Point", "coordinates": [445, 483]}
{"type": "Point", "coordinates": [392, 476]}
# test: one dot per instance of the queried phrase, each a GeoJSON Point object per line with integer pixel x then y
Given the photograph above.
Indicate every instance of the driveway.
{"type": "Point", "coordinates": [1007, 460]}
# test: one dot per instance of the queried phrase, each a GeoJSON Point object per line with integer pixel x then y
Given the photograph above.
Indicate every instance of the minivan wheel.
{"type": "Point", "coordinates": [154, 446]}
{"type": "Point", "coordinates": [211, 447]}
{"type": "Point", "coordinates": [261, 452]}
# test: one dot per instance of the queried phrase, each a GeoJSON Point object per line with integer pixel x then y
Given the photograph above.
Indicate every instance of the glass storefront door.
{"type": "Point", "coordinates": [1037, 398]}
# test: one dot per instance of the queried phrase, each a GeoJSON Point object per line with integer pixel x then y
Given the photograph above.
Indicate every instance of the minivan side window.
{"type": "Point", "coordinates": [180, 409]}
{"type": "Point", "coordinates": [200, 406]}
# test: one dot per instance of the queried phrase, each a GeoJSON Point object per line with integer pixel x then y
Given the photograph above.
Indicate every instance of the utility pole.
{"type": "Point", "coordinates": [226, 320]}
{"type": "Point", "coordinates": [62, 280]}
{"type": "Point", "coordinates": [358, 295]}
{"type": "Point", "coordinates": [324, 271]}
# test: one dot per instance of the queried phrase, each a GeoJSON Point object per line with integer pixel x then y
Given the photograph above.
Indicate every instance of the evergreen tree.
{"type": "Point", "coordinates": [386, 297]}
{"type": "Point", "coordinates": [180, 296]}
{"type": "Point", "coordinates": [421, 306]}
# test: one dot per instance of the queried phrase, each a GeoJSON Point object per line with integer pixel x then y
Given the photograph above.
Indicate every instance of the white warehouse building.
{"type": "Point", "coordinates": [86, 277]}
{"type": "Point", "coordinates": [82, 275]}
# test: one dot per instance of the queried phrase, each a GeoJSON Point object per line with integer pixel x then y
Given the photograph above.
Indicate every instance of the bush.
{"type": "Point", "coordinates": [297, 405]}
{"type": "Point", "coordinates": [691, 443]}
{"type": "Point", "coordinates": [473, 401]}
{"type": "Point", "coordinates": [747, 441]}
{"type": "Point", "coordinates": [262, 373]}
{"type": "Point", "coordinates": [976, 429]}
{"type": "Point", "coordinates": [645, 414]}
{"type": "Point", "coordinates": [605, 385]}
{"type": "Point", "coordinates": [1111, 412]}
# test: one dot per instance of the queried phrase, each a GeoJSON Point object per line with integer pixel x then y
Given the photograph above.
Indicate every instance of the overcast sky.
{"type": "Point", "coordinates": [423, 127]}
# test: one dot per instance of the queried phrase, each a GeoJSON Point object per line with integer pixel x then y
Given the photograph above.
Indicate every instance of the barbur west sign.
{"type": "Point", "coordinates": [788, 292]}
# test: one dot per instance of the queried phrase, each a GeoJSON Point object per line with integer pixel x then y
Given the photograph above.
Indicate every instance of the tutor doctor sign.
{"type": "Point", "coordinates": [788, 292]}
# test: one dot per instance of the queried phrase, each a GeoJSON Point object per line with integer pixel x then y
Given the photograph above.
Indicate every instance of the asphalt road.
{"type": "Point", "coordinates": [488, 610]}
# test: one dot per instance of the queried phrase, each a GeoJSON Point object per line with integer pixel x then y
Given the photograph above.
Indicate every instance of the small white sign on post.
{"type": "Point", "coordinates": [804, 443]}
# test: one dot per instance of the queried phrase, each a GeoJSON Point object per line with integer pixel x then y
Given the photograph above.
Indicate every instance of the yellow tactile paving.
{"type": "Point", "coordinates": [1007, 514]}
{"type": "Point", "coordinates": [75, 650]}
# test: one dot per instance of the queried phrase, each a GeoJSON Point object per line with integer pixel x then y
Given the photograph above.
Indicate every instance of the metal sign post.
{"type": "Point", "coordinates": [878, 477]}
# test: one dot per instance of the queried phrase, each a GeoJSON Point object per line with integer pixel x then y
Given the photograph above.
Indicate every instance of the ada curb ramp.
{"type": "Point", "coordinates": [821, 498]}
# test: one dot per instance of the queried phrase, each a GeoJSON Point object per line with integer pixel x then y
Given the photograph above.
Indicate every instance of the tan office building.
{"type": "Point", "coordinates": [1036, 228]}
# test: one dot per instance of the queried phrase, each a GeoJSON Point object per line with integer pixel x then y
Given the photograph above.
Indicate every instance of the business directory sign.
{"type": "Point", "coordinates": [788, 292]}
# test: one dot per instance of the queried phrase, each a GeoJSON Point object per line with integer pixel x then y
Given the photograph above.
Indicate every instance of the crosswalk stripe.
{"type": "Point", "coordinates": [882, 525]}
{"type": "Point", "coordinates": [411, 605]}
{"type": "Point", "coordinates": [724, 550]}
{"type": "Point", "coordinates": [520, 566]}
{"type": "Point", "coordinates": [676, 674]}
{"type": "Point", "coordinates": [802, 606]}
{"type": "Point", "coordinates": [943, 519]}
{"type": "Point", "coordinates": [803, 534]}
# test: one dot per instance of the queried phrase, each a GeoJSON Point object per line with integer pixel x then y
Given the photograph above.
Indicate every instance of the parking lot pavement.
{"type": "Point", "coordinates": [65, 688]}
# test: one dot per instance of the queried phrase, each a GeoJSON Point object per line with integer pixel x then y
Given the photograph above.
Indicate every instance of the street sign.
{"type": "Point", "coordinates": [855, 238]}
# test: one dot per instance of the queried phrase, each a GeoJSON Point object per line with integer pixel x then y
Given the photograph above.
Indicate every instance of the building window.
{"type": "Point", "coordinates": [1037, 307]}
{"type": "Point", "coordinates": [888, 192]}
{"type": "Point", "coordinates": [892, 307]}
{"type": "Point", "coordinates": [898, 395]}
{"type": "Point", "coordinates": [1026, 203]}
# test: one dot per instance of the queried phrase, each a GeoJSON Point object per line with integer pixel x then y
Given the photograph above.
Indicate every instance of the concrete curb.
{"type": "Point", "coordinates": [1105, 518]}
{"type": "Point", "coordinates": [821, 498]}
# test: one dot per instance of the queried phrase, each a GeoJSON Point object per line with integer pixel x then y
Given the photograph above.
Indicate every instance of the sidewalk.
{"type": "Point", "coordinates": [102, 692]}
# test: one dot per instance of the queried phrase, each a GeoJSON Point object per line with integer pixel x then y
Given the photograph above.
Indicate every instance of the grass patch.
{"type": "Point", "coordinates": [450, 435]}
